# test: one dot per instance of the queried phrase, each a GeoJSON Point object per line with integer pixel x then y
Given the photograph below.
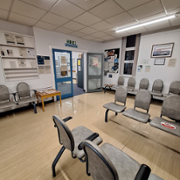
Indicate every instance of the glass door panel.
{"type": "Point", "coordinates": [63, 72]}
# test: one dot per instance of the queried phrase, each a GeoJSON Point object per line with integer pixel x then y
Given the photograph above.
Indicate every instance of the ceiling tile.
{"type": "Point", "coordinates": [67, 9]}
{"type": "Point", "coordinates": [106, 10]}
{"type": "Point", "coordinates": [129, 4]}
{"type": "Point", "coordinates": [108, 37]}
{"type": "Point", "coordinates": [87, 19]}
{"type": "Point", "coordinates": [3, 14]}
{"type": "Point", "coordinates": [98, 40]}
{"type": "Point", "coordinates": [157, 26]}
{"type": "Point", "coordinates": [43, 4]}
{"type": "Point", "coordinates": [86, 4]}
{"type": "Point", "coordinates": [6, 4]}
{"type": "Point", "coordinates": [149, 9]}
{"type": "Point", "coordinates": [101, 26]}
{"type": "Point", "coordinates": [120, 19]}
{"type": "Point", "coordinates": [114, 34]}
{"type": "Point", "coordinates": [137, 30]}
{"type": "Point", "coordinates": [22, 19]}
{"type": "Point", "coordinates": [88, 37]}
{"type": "Point", "coordinates": [175, 22]}
{"type": "Point", "coordinates": [74, 26]}
{"type": "Point", "coordinates": [99, 34]}
{"type": "Point", "coordinates": [54, 19]}
{"type": "Point", "coordinates": [27, 10]}
{"type": "Point", "coordinates": [88, 30]}
{"type": "Point", "coordinates": [63, 30]}
{"type": "Point", "coordinates": [173, 11]}
{"type": "Point", "coordinates": [77, 34]}
{"type": "Point", "coordinates": [171, 4]}
{"type": "Point", "coordinates": [46, 26]}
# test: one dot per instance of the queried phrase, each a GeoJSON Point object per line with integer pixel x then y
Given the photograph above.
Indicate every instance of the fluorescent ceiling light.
{"type": "Point", "coordinates": [147, 23]}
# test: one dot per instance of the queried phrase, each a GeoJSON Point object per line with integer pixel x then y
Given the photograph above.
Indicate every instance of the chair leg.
{"type": "Point", "coordinates": [34, 105]}
{"type": "Point", "coordinates": [106, 115]}
{"type": "Point", "coordinates": [56, 160]}
{"type": "Point", "coordinates": [116, 113]}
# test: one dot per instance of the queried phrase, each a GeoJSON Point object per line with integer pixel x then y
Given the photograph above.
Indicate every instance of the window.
{"type": "Point", "coordinates": [131, 41]}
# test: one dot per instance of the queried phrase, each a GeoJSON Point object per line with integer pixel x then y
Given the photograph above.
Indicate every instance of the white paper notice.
{"type": "Point", "coordinates": [31, 53]}
{"type": "Point", "coordinates": [172, 63]}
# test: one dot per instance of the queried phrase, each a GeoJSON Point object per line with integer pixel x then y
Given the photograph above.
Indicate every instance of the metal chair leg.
{"type": "Point", "coordinates": [34, 105]}
{"type": "Point", "coordinates": [116, 113]}
{"type": "Point", "coordinates": [56, 160]}
{"type": "Point", "coordinates": [106, 115]}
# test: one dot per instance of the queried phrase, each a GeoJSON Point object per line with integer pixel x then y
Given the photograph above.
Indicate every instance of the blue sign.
{"type": "Point", "coordinates": [71, 43]}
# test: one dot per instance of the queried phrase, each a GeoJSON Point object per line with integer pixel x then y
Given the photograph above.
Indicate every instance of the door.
{"type": "Point", "coordinates": [63, 72]}
{"type": "Point", "coordinates": [94, 72]}
{"type": "Point", "coordinates": [80, 73]}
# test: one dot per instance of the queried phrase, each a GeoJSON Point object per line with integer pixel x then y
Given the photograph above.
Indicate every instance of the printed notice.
{"type": "Point", "coordinates": [12, 64]}
{"type": "Point", "coordinates": [147, 68]}
{"type": "Point", "coordinates": [140, 67]}
{"type": "Point", "coordinates": [63, 60]}
{"type": "Point", "coordinates": [64, 68]}
{"type": "Point", "coordinates": [172, 63]}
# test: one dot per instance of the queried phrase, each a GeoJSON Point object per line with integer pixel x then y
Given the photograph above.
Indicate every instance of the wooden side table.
{"type": "Point", "coordinates": [108, 85]}
{"type": "Point", "coordinates": [47, 94]}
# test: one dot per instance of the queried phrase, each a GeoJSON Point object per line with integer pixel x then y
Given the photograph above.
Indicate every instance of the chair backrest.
{"type": "Point", "coordinates": [23, 89]}
{"type": "Point", "coordinates": [121, 81]}
{"type": "Point", "coordinates": [157, 85]}
{"type": "Point", "coordinates": [97, 163]}
{"type": "Point", "coordinates": [64, 134]}
{"type": "Point", "coordinates": [143, 99]}
{"type": "Point", "coordinates": [171, 107]}
{"type": "Point", "coordinates": [144, 83]}
{"type": "Point", "coordinates": [175, 87]}
{"type": "Point", "coordinates": [121, 94]}
{"type": "Point", "coordinates": [131, 82]}
{"type": "Point", "coordinates": [4, 93]}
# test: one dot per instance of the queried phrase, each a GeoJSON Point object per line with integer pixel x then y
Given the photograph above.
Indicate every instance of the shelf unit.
{"type": "Point", "coordinates": [18, 62]}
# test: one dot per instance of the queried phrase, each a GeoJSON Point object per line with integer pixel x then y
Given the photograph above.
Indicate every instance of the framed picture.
{"type": "Point", "coordinates": [162, 50]}
{"type": "Point", "coordinates": [159, 61]}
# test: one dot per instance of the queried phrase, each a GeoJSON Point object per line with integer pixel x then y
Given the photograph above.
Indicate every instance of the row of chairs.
{"type": "Point", "coordinates": [170, 109]}
{"type": "Point", "coordinates": [157, 87]}
{"type": "Point", "coordinates": [20, 98]}
{"type": "Point", "coordinates": [102, 163]}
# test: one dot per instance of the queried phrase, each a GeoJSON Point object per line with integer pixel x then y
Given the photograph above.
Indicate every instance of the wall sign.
{"type": "Point", "coordinates": [71, 43]}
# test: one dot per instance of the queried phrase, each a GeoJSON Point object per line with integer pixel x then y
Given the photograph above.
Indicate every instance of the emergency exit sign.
{"type": "Point", "coordinates": [71, 43]}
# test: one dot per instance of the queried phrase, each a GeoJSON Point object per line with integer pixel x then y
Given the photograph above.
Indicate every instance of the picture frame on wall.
{"type": "Point", "coordinates": [159, 61]}
{"type": "Point", "coordinates": [162, 50]}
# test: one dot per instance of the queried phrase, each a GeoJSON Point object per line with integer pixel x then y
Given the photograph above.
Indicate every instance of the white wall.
{"type": "Point", "coordinates": [167, 74]}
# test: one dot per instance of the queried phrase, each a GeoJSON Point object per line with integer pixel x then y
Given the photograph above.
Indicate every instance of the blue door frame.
{"type": "Point", "coordinates": [65, 79]}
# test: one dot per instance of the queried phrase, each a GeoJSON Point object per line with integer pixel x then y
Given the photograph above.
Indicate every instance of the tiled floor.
{"type": "Point", "coordinates": [29, 142]}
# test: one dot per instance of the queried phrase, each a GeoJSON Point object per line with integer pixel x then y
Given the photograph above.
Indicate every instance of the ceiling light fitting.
{"type": "Point", "coordinates": [147, 23]}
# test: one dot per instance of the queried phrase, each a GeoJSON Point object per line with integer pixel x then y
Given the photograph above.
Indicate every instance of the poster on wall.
{"type": "Point", "coordinates": [95, 61]}
{"type": "Point", "coordinates": [40, 60]}
{"type": "Point", "coordinates": [140, 67]}
{"type": "Point", "coordinates": [31, 53]}
{"type": "Point", "coordinates": [21, 62]}
{"type": "Point", "coordinates": [172, 63]}
{"type": "Point", "coordinates": [3, 52]}
{"type": "Point", "coordinates": [19, 40]}
{"type": "Point", "coordinates": [111, 60]}
{"type": "Point", "coordinates": [10, 39]}
{"type": "Point", "coordinates": [147, 68]}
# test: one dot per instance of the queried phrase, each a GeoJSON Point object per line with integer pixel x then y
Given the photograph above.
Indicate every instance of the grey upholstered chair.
{"type": "Point", "coordinates": [157, 88]}
{"type": "Point", "coordinates": [120, 82]}
{"type": "Point", "coordinates": [110, 163]}
{"type": "Point", "coordinates": [174, 88]}
{"type": "Point", "coordinates": [24, 94]}
{"type": "Point", "coordinates": [142, 100]}
{"type": "Point", "coordinates": [144, 83]}
{"type": "Point", "coordinates": [170, 109]}
{"type": "Point", "coordinates": [120, 96]}
{"type": "Point", "coordinates": [5, 102]}
{"type": "Point", "coordinates": [72, 139]}
{"type": "Point", "coordinates": [131, 85]}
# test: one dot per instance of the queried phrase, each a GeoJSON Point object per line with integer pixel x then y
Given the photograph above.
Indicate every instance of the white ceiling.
{"type": "Point", "coordinates": [94, 20]}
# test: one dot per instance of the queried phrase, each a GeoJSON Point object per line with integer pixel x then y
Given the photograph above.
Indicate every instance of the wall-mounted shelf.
{"type": "Point", "coordinates": [20, 57]}
{"type": "Point", "coordinates": [14, 45]}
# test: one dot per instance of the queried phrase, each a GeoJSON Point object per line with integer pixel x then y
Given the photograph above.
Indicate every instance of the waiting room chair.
{"type": "Point", "coordinates": [5, 100]}
{"type": "Point", "coordinates": [72, 140]}
{"type": "Point", "coordinates": [170, 109]}
{"type": "Point", "coordinates": [120, 82]}
{"type": "Point", "coordinates": [142, 100]}
{"type": "Point", "coordinates": [157, 88]}
{"type": "Point", "coordinates": [174, 88]}
{"type": "Point", "coordinates": [120, 96]}
{"type": "Point", "coordinates": [110, 163]}
{"type": "Point", "coordinates": [24, 94]}
{"type": "Point", "coordinates": [131, 85]}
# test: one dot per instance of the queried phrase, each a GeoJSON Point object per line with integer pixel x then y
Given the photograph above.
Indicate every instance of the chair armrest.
{"type": "Point", "coordinates": [65, 120]}
{"type": "Point", "coordinates": [14, 94]}
{"type": "Point", "coordinates": [143, 173]}
{"type": "Point", "coordinates": [90, 138]}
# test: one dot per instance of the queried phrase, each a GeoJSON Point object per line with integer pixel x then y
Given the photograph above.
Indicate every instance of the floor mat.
{"type": "Point", "coordinates": [77, 91]}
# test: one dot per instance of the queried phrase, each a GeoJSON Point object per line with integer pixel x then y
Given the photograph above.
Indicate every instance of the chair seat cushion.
{"type": "Point", "coordinates": [132, 92]}
{"type": "Point", "coordinates": [137, 115]}
{"type": "Point", "coordinates": [159, 97]}
{"type": "Point", "coordinates": [114, 107]}
{"type": "Point", "coordinates": [156, 93]}
{"type": "Point", "coordinates": [130, 88]}
{"type": "Point", "coordinates": [126, 167]}
{"type": "Point", "coordinates": [10, 104]}
{"type": "Point", "coordinates": [80, 133]}
{"type": "Point", "coordinates": [164, 125]}
{"type": "Point", "coordinates": [115, 87]}
{"type": "Point", "coordinates": [27, 100]}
